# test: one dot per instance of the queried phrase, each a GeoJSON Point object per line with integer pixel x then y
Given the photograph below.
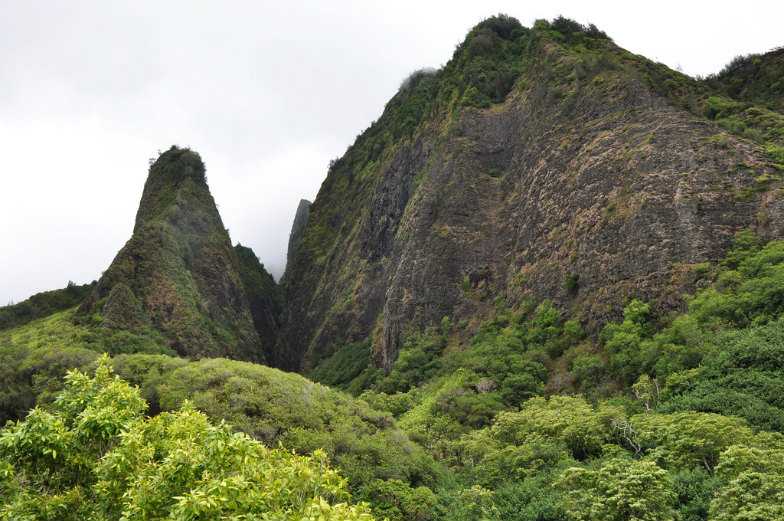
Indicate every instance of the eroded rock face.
{"type": "Point", "coordinates": [265, 299]}
{"type": "Point", "coordinates": [178, 275]}
{"type": "Point", "coordinates": [295, 236]}
{"type": "Point", "coordinates": [520, 201]}
{"type": "Point", "coordinates": [588, 191]}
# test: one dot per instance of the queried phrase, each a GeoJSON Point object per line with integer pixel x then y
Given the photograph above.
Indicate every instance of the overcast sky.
{"type": "Point", "coordinates": [266, 91]}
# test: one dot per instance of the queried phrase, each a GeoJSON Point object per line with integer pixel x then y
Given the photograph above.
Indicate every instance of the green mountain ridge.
{"type": "Point", "coordinates": [755, 79]}
{"type": "Point", "coordinates": [541, 163]}
{"type": "Point", "coordinates": [547, 284]}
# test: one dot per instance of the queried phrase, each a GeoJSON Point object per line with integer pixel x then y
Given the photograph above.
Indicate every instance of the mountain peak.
{"type": "Point", "coordinates": [175, 168]}
{"type": "Point", "coordinates": [179, 270]}
{"type": "Point", "coordinates": [538, 164]}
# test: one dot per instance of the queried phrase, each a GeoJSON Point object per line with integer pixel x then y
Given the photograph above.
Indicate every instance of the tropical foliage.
{"type": "Point", "coordinates": [94, 455]}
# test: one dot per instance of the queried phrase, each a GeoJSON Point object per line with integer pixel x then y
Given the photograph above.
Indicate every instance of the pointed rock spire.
{"type": "Point", "coordinates": [178, 278]}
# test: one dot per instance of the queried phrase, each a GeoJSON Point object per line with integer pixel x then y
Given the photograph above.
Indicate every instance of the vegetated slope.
{"type": "Point", "coordinates": [277, 407]}
{"type": "Point", "coordinates": [270, 405]}
{"type": "Point", "coordinates": [94, 454]}
{"type": "Point", "coordinates": [265, 299]}
{"type": "Point", "coordinates": [756, 79]}
{"type": "Point", "coordinates": [509, 452]}
{"type": "Point", "coordinates": [43, 304]}
{"type": "Point", "coordinates": [542, 163]}
{"type": "Point", "coordinates": [178, 276]}
{"type": "Point", "coordinates": [696, 405]}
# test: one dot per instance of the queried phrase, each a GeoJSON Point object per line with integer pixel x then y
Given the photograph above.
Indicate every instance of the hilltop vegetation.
{"type": "Point", "coordinates": [755, 79]}
{"type": "Point", "coordinates": [43, 304]}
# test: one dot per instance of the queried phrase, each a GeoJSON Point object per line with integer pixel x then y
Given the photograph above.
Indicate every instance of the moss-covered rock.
{"type": "Point", "coordinates": [295, 236]}
{"type": "Point", "coordinates": [179, 272]}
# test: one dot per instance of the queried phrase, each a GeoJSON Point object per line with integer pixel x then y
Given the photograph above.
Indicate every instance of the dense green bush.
{"type": "Point", "coordinates": [347, 369]}
{"type": "Point", "coordinates": [393, 499]}
{"type": "Point", "coordinates": [621, 489]}
{"type": "Point", "coordinates": [274, 407]}
{"type": "Point", "coordinates": [94, 455]}
{"type": "Point", "coordinates": [418, 360]}
{"type": "Point", "coordinates": [745, 379]}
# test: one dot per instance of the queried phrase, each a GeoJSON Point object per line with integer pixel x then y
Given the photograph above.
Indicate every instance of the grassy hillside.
{"type": "Point", "coordinates": [43, 304]}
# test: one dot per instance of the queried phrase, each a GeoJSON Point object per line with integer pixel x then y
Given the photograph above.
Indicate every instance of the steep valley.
{"type": "Point", "coordinates": [546, 284]}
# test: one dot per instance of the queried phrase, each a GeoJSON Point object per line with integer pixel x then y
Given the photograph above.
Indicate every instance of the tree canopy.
{"type": "Point", "coordinates": [94, 455]}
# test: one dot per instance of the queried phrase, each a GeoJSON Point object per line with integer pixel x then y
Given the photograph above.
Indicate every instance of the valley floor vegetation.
{"type": "Point", "coordinates": [657, 418]}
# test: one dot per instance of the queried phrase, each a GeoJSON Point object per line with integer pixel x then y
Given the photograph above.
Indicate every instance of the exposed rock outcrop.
{"type": "Point", "coordinates": [574, 181]}
{"type": "Point", "coordinates": [295, 236]}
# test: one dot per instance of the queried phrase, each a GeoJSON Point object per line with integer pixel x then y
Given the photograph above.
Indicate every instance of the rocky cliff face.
{"type": "Point", "coordinates": [265, 299]}
{"type": "Point", "coordinates": [295, 236]}
{"type": "Point", "coordinates": [539, 164]}
{"type": "Point", "coordinates": [178, 277]}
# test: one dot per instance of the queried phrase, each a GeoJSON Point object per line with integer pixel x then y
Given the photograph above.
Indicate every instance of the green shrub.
{"type": "Point", "coordinates": [619, 490]}
{"type": "Point", "coordinates": [473, 98]}
{"type": "Point", "coordinates": [572, 283]}
{"type": "Point", "coordinates": [344, 368]}
{"type": "Point", "coordinates": [95, 456]}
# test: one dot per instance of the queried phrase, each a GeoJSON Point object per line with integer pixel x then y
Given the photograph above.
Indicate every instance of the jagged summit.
{"type": "Point", "coordinates": [178, 278]}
